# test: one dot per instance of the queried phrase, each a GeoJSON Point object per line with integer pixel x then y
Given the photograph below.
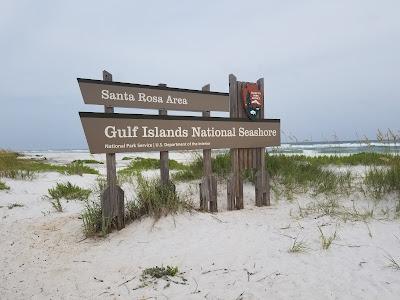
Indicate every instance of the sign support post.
{"type": "Point", "coordinates": [164, 159]}
{"type": "Point", "coordinates": [112, 201]}
{"type": "Point", "coordinates": [235, 181]}
{"type": "Point", "coordinates": [208, 185]}
{"type": "Point", "coordinates": [262, 187]}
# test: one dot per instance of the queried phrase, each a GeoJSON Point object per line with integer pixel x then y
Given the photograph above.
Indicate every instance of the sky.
{"type": "Point", "coordinates": [331, 68]}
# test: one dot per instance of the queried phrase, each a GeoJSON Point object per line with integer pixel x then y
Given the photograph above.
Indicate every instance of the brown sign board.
{"type": "Point", "coordinates": [119, 94]}
{"type": "Point", "coordinates": [113, 133]}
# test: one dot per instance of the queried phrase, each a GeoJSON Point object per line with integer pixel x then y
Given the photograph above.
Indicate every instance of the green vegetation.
{"type": "Point", "coordinates": [140, 164]}
{"type": "Point", "coordinates": [69, 191]}
{"type": "Point", "coordinates": [298, 246]}
{"type": "Point", "coordinates": [220, 166]}
{"type": "Point", "coordinates": [3, 186]}
{"type": "Point", "coordinates": [155, 200]}
{"type": "Point", "coordinates": [159, 272]}
{"type": "Point", "coordinates": [151, 276]}
{"type": "Point", "coordinates": [12, 165]}
{"type": "Point", "coordinates": [12, 205]}
{"type": "Point", "coordinates": [92, 219]}
{"type": "Point", "coordinates": [381, 181]}
{"type": "Point", "coordinates": [87, 161]}
{"type": "Point", "coordinates": [127, 158]}
{"type": "Point", "coordinates": [326, 241]}
{"type": "Point", "coordinates": [393, 263]}
{"type": "Point", "coordinates": [56, 203]}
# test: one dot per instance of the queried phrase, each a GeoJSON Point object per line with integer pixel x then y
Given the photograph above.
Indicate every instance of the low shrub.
{"type": "Point", "coordinates": [3, 186]}
{"type": "Point", "coordinates": [68, 191]}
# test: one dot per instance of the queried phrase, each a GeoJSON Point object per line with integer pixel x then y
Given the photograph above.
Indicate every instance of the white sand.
{"type": "Point", "coordinates": [229, 255]}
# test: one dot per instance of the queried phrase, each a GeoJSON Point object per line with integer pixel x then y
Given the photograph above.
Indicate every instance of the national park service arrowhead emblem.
{"type": "Point", "coordinates": [252, 100]}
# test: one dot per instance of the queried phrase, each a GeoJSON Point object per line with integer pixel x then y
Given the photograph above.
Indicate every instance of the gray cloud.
{"type": "Point", "coordinates": [329, 67]}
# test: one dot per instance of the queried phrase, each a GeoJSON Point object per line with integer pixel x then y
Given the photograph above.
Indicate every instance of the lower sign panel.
{"type": "Point", "coordinates": [114, 133]}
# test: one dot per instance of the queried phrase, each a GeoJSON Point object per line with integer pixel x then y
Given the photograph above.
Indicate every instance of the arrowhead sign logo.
{"type": "Point", "coordinates": [252, 100]}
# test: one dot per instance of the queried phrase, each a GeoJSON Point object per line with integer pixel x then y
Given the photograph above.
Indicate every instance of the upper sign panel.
{"type": "Point", "coordinates": [118, 94]}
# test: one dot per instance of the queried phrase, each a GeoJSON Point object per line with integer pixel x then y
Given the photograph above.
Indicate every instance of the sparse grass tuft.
{"type": "Point", "coordinates": [159, 272]}
{"type": "Point", "coordinates": [56, 203]}
{"type": "Point", "coordinates": [326, 241]}
{"type": "Point", "coordinates": [13, 205]}
{"type": "Point", "coordinates": [87, 161]}
{"type": "Point", "coordinates": [68, 191]}
{"type": "Point", "coordinates": [3, 186]}
{"type": "Point", "coordinates": [393, 263]}
{"type": "Point", "coordinates": [298, 246]}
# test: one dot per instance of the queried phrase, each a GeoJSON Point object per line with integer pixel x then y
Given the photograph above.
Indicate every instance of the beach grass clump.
{"type": "Point", "coordinates": [298, 246]}
{"type": "Point", "coordinates": [76, 168]}
{"type": "Point", "coordinates": [221, 166]}
{"type": "Point", "coordinates": [151, 276]}
{"type": "Point", "coordinates": [92, 219]}
{"type": "Point", "coordinates": [297, 174]}
{"type": "Point", "coordinates": [14, 165]}
{"type": "Point", "coordinates": [87, 161]}
{"type": "Point", "coordinates": [159, 272]}
{"type": "Point", "coordinates": [13, 205]}
{"type": "Point", "coordinates": [138, 164]}
{"type": "Point", "coordinates": [155, 200]}
{"type": "Point", "coordinates": [68, 191]}
{"type": "Point", "coordinates": [3, 186]}
{"type": "Point", "coordinates": [56, 204]}
{"type": "Point", "coordinates": [326, 241]}
{"type": "Point", "coordinates": [393, 263]}
{"type": "Point", "coordinates": [381, 181]}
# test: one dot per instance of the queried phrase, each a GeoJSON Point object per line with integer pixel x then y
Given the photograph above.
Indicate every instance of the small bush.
{"type": "Point", "coordinates": [3, 186]}
{"type": "Point", "coordinates": [68, 191]}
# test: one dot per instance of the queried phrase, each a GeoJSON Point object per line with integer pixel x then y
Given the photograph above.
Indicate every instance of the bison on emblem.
{"type": "Point", "coordinates": [252, 100]}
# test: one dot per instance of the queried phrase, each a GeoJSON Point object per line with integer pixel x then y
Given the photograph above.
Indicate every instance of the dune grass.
{"type": "Point", "coordinates": [155, 200]}
{"type": "Point", "coordinates": [3, 186]}
{"type": "Point", "coordinates": [326, 241]}
{"type": "Point", "coordinates": [69, 191]}
{"type": "Point", "coordinates": [298, 246]}
{"type": "Point", "coordinates": [13, 165]}
{"type": "Point", "coordinates": [13, 205]}
{"type": "Point", "coordinates": [141, 164]}
{"type": "Point", "coordinates": [87, 161]}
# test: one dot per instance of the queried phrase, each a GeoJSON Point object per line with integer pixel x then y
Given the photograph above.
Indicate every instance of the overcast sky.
{"type": "Point", "coordinates": [330, 67]}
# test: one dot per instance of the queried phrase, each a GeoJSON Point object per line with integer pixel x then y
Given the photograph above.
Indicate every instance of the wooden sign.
{"type": "Point", "coordinates": [118, 94]}
{"type": "Point", "coordinates": [112, 133]}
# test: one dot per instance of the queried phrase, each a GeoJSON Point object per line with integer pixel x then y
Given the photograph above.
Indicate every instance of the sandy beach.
{"type": "Point", "coordinates": [228, 255]}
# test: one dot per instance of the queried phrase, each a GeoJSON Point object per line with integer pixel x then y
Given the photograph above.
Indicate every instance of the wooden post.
{"type": "Point", "coordinates": [235, 181]}
{"type": "Point", "coordinates": [112, 200]}
{"type": "Point", "coordinates": [164, 164]}
{"type": "Point", "coordinates": [262, 186]}
{"type": "Point", "coordinates": [208, 185]}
